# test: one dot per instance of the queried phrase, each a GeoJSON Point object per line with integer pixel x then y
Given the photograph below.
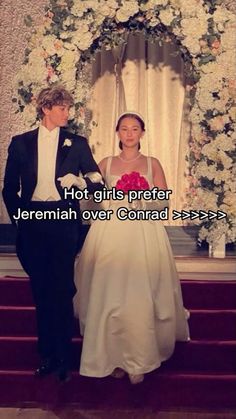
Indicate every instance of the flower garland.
{"type": "Point", "coordinates": [73, 30]}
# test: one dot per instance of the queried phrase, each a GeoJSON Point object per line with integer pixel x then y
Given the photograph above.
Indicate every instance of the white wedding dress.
{"type": "Point", "coordinates": [129, 300]}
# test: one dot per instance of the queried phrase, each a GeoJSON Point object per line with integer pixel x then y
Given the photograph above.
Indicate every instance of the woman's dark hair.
{"type": "Point", "coordinates": [130, 115]}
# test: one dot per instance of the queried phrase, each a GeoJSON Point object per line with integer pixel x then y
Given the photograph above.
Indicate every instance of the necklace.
{"type": "Point", "coordinates": [129, 161]}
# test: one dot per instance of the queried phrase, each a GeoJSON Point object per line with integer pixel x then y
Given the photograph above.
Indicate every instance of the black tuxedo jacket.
{"type": "Point", "coordinates": [22, 166]}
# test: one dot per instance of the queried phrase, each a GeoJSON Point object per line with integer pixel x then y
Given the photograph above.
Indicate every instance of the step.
{"type": "Point", "coordinates": [15, 292]}
{"type": "Point", "coordinates": [21, 321]}
{"type": "Point", "coordinates": [209, 294]}
{"type": "Point", "coordinates": [191, 262]}
{"type": "Point", "coordinates": [214, 356]}
{"type": "Point", "coordinates": [159, 390]}
{"type": "Point", "coordinates": [196, 294]}
{"type": "Point", "coordinates": [204, 324]}
{"type": "Point", "coordinates": [212, 324]}
{"type": "Point", "coordinates": [217, 356]}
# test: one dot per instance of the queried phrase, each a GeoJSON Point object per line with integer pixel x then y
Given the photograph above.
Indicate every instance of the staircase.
{"type": "Point", "coordinates": [200, 374]}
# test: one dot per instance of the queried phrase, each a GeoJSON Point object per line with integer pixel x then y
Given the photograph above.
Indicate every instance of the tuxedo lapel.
{"type": "Point", "coordinates": [62, 150]}
{"type": "Point", "coordinates": [32, 147]}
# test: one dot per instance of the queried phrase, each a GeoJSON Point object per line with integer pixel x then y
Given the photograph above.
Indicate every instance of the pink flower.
{"type": "Point", "coordinates": [82, 112]}
{"type": "Point", "coordinates": [215, 44]}
{"type": "Point", "coordinates": [49, 14]}
{"type": "Point", "coordinates": [232, 83]}
{"type": "Point", "coordinates": [132, 181]}
{"type": "Point", "coordinates": [57, 44]}
{"type": "Point", "coordinates": [50, 71]}
{"type": "Point", "coordinates": [217, 123]}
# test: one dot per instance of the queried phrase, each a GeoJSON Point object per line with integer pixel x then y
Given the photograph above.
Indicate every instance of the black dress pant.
{"type": "Point", "coordinates": [47, 250]}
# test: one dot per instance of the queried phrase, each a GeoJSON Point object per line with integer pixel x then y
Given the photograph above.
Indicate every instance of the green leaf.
{"type": "Point", "coordinates": [206, 59]}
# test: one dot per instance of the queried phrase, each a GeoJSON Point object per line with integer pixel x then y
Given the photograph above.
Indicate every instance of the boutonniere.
{"type": "Point", "coordinates": [67, 142]}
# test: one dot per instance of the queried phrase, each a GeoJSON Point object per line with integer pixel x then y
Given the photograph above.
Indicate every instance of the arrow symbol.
{"type": "Point", "coordinates": [221, 214]}
{"type": "Point", "coordinates": [202, 215]}
{"type": "Point", "coordinates": [193, 214]}
{"type": "Point", "coordinates": [176, 215]}
{"type": "Point", "coordinates": [212, 214]}
{"type": "Point", "coordinates": [184, 214]}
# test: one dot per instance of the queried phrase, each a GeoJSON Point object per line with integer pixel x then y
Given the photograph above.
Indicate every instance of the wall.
{"type": "Point", "coordinates": [13, 34]}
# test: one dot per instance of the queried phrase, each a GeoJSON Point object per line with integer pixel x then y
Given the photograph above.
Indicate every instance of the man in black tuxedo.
{"type": "Point", "coordinates": [41, 164]}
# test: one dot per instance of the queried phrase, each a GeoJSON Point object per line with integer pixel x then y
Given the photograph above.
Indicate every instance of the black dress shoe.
{"type": "Point", "coordinates": [63, 372]}
{"type": "Point", "coordinates": [47, 367]}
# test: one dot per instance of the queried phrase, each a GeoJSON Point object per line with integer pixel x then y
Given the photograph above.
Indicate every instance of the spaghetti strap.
{"type": "Point", "coordinates": [108, 168]}
{"type": "Point", "coordinates": [149, 165]}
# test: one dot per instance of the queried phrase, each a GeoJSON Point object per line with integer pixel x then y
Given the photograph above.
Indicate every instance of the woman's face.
{"type": "Point", "coordinates": [130, 132]}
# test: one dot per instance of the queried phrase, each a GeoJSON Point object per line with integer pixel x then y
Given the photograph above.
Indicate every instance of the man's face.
{"type": "Point", "coordinates": [57, 116]}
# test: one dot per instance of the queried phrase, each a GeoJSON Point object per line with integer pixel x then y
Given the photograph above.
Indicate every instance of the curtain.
{"type": "Point", "coordinates": [149, 78]}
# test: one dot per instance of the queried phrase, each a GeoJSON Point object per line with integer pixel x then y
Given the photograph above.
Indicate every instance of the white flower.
{"type": "Point", "coordinates": [68, 79]}
{"type": "Point", "coordinates": [232, 113]}
{"type": "Point", "coordinates": [166, 16]}
{"type": "Point", "coordinates": [220, 27]}
{"type": "Point", "coordinates": [176, 3]}
{"type": "Point", "coordinates": [128, 9]}
{"type": "Point", "coordinates": [210, 68]}
{"type": "Point", "coordinates": [223, 142]}
{"type": "Point", "coordinates": [68, 60]}
{"type": "Point", "coordinates": [210, 82]}
{"type": "Point", "coordinates": [54, 58]}
{"type": "Point", "coordinates": [65, 35]}
{"type": "Point", "coordinates": [193, 29]}
{"type": "Point", "coordinates": [33, 74]}
{"type": "Point", "coordinates": [218, 123]}
{"type": "Point", "coordinates": [228, 40]}
{"type": "Point", "coordinates": [67, 142]}
{"type": "Point", "coordinates": [82, 27]}
{"type": "Point", "coordinates": [213, 152]}
{"type": "Point", "coordinates": [67, 22]}
{"type": "Point", "coordinates": [29, 115]}
{"type": "Point", "coordinates": [82, 38]}
{"type": "Point", "coordinates": [82, 92]}
{"type": "Point", "coordinates": [151, 4]}
{"type": "Point", "coordinates": [85, 41]}
{"type": "Point", "coordinates": [108, 8]}
{"type": "Point", "coordinates": [80, 7]}
{"type": "Point", "coordinates": [196, 115]}
{"type": "Point", "coordinates": [198, 134]}
{"type": "Point", "coordinates": [227, 64]}
{"type": "Point", "coordinates": [190, 8]}
{"type": "Point", "coordinates": [222, 15]}
{"type": "Point", "coordinates": [48, 43]}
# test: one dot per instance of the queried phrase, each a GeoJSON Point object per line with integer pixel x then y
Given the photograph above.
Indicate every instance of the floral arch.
{"type": "Point", "coordinates": [73, 30]}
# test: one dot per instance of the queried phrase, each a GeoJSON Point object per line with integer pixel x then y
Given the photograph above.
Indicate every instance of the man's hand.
{"type": "Point", "coordinates": [70, 180]}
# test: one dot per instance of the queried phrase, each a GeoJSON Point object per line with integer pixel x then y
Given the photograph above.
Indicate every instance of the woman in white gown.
{"type": "Point", "coordinates": [129, 300]}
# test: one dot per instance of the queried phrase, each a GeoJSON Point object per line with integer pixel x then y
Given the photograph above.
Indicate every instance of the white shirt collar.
{"type": "Point", "coordinates": [44, 132]}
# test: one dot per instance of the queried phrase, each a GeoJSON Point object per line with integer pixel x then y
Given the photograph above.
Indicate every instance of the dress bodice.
{"type": "Point", "coordinates": [112, 179]}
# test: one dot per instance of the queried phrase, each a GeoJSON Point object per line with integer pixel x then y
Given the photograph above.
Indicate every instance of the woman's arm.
{"type": "Point", "coordinates": [159, 179]}
{"type": "Point", "coordinates": [103, 167]}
